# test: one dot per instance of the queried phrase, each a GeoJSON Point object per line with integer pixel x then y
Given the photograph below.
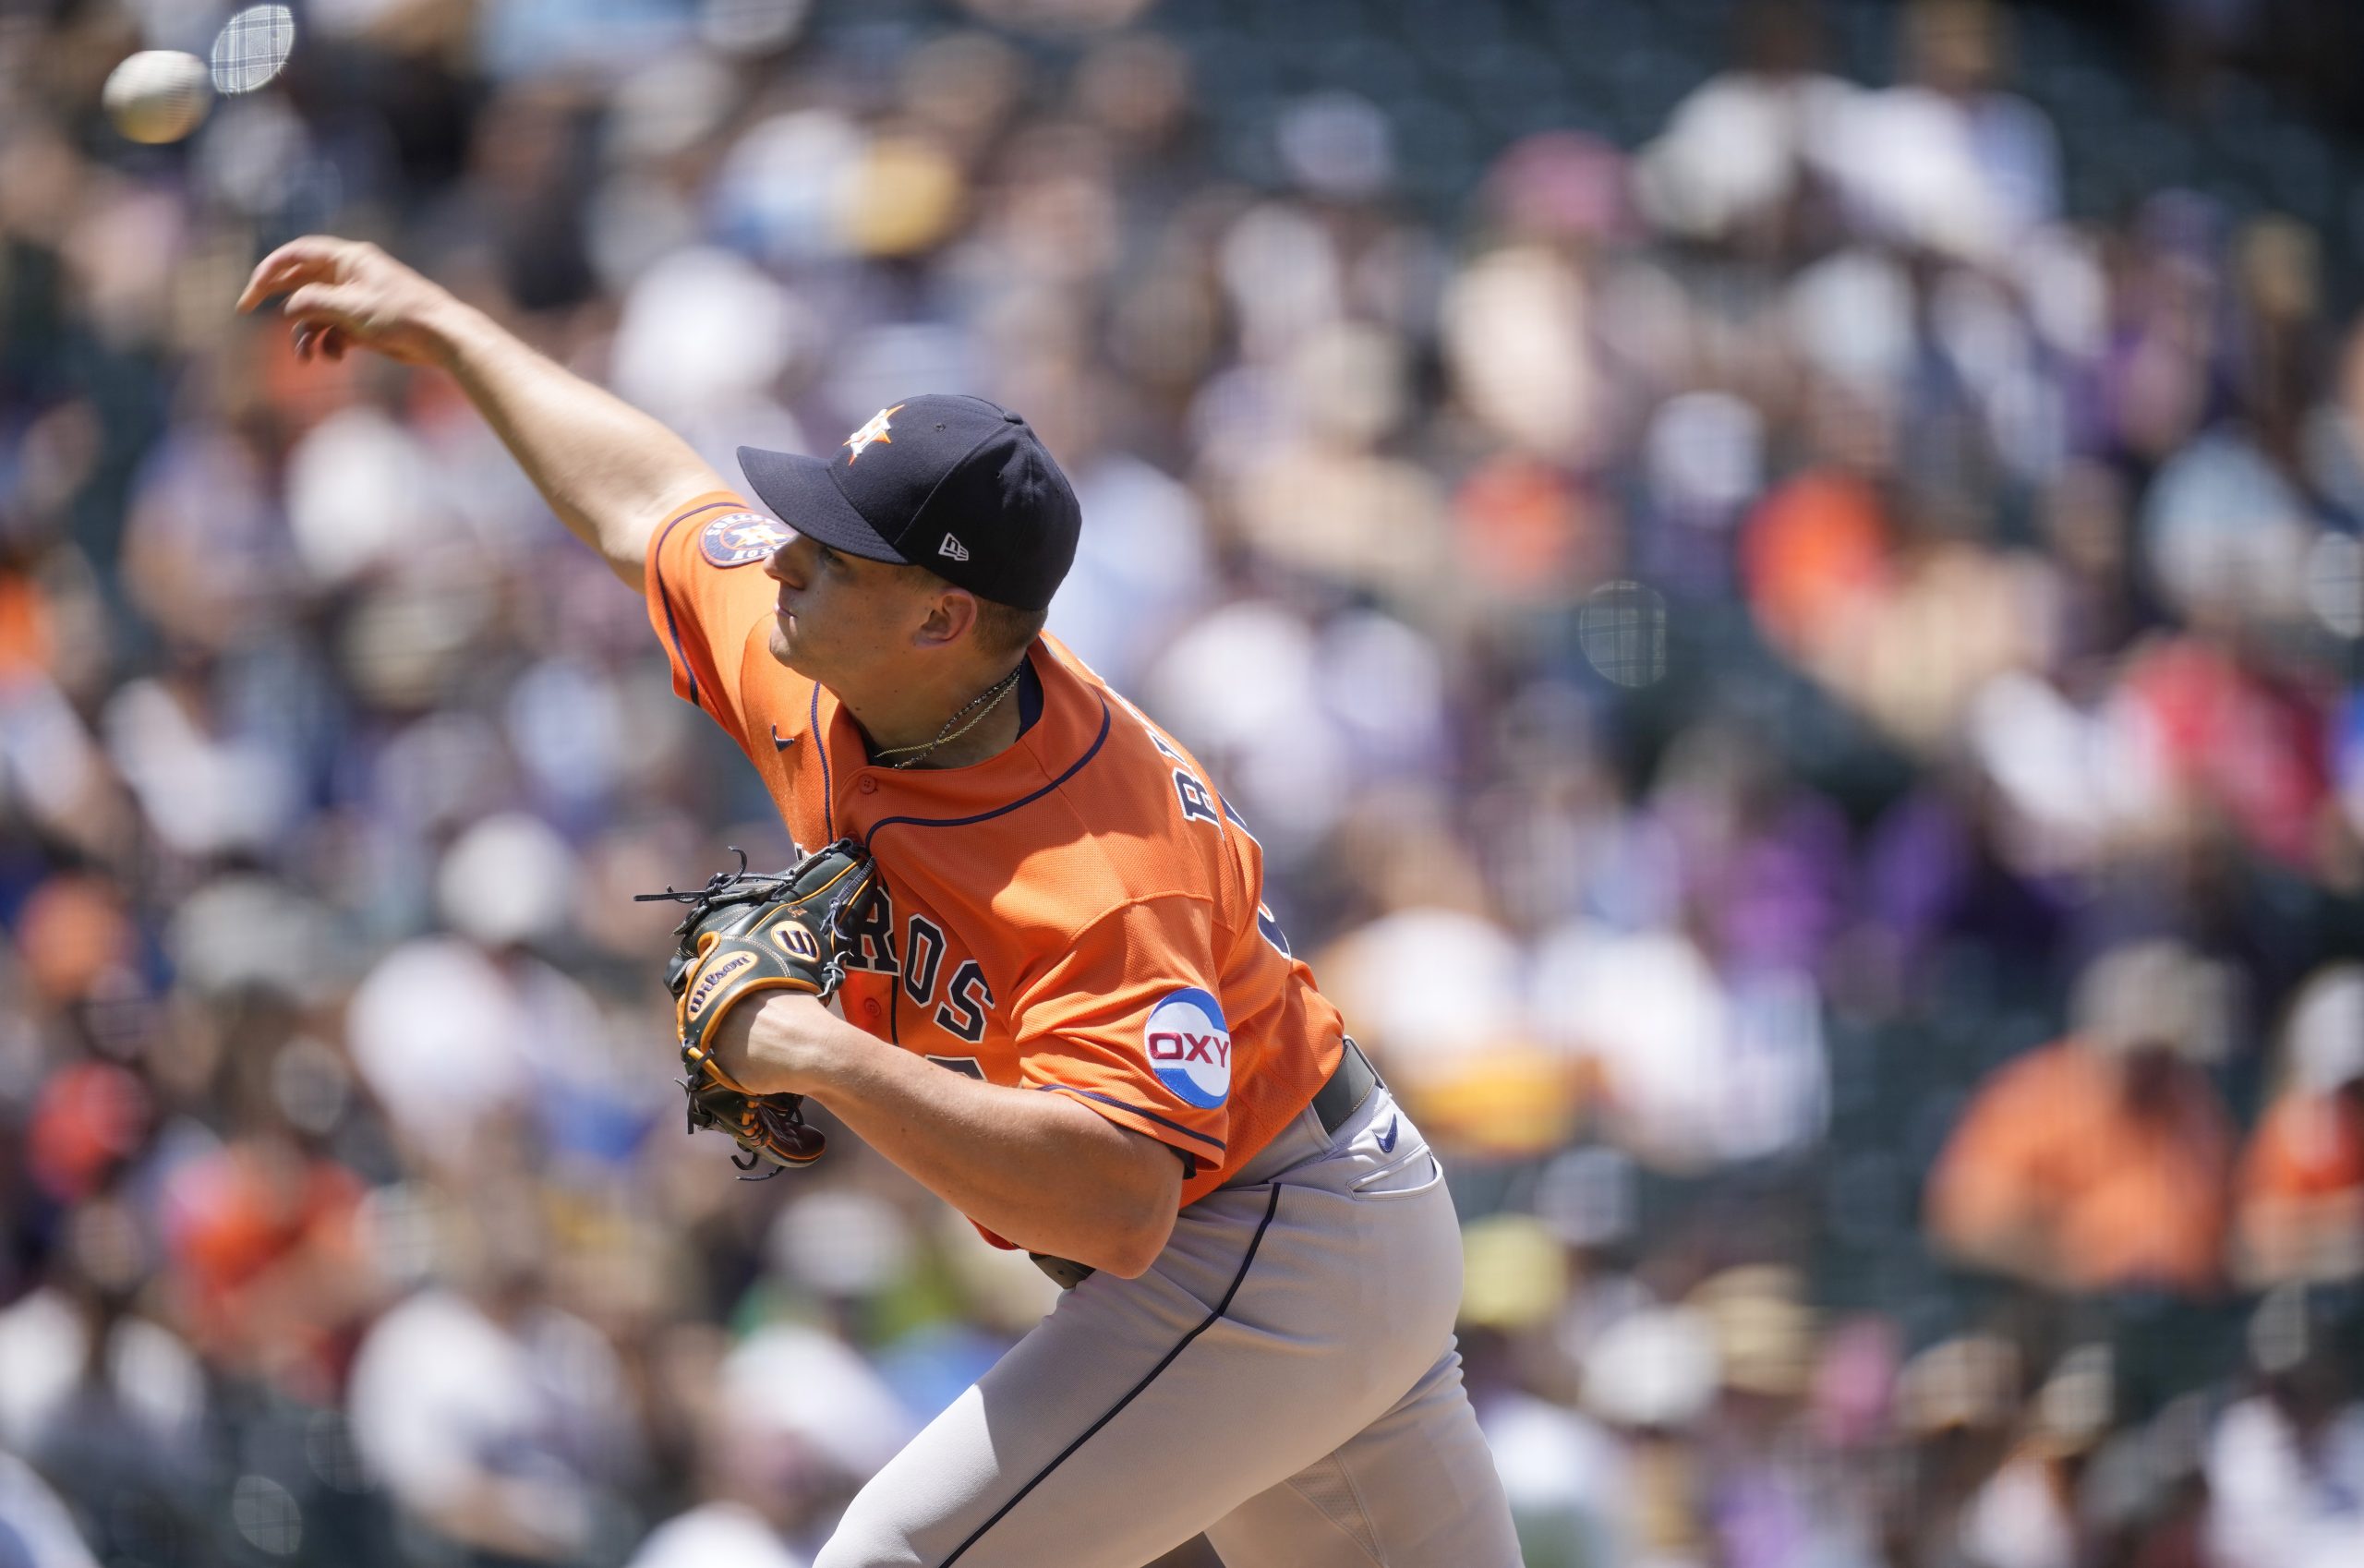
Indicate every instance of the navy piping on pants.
{"type": "Point", "coordinates": [1270, 1207]}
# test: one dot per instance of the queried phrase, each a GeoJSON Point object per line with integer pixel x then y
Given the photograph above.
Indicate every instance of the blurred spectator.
{"type": "Point", "coordinates": [2101, 1161]}
{"type": "Point", "coordinates": [2302, 1205]}
{"type": "Point", "coordinates": [1651, 1376]}
{"type": "Point", "coordinates": [1744, 148]}
{"type": "Point", "coordinates": [36, 1531]}
{"type": "Point", "coordinates": [793, 1424]}
{"type": "Point", "coordinates": [1955, 1405]}
{"type": "Point", "coordinates": [105, 1402]}
{"type": "Point", "coordinates": [2286, 1465]}
{"type": "Point", "coordinates": [497, 1420]}
{"type": "Point", "coordinates": [2026, 1515]}
{"type": "Point", "coordinates": [1947, 159]}
{"type": "Point", "coordinates": [267, 1261]}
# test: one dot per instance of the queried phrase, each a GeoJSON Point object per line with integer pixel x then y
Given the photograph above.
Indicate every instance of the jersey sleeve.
{"type": "Point", "coordinates": [706, 591]}
{"type": "Point", "coordinates": [1127, 1021]}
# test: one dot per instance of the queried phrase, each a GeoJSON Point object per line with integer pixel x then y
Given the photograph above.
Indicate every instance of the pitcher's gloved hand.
{"type": "Point", "coordinates": [746, 933]}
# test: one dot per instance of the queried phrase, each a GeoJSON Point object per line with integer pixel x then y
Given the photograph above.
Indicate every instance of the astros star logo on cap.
{"type": "Point", "coordinates": [874, 431]}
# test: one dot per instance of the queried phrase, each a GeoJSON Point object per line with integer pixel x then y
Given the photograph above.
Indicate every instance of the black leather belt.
{"type": "Point", "coordinates": [1350, 1084]}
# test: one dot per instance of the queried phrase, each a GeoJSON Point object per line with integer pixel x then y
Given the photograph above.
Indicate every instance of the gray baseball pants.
{"type": "Point", "coordinates": [1284, 1379]}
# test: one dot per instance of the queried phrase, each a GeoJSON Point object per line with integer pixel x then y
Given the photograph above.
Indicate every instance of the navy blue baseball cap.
{"type": "Point", "coordinates": [955, 484]}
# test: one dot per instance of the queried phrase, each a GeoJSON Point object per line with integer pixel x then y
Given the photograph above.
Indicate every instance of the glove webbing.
{"type": "Point", "coordinates": [725, 888]}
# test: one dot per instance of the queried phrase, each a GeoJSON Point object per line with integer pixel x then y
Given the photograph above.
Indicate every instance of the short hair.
{"type": "Point", "coordinates": [1005, 628]}
{"type": "Point", "coordinates": [1002, 629]}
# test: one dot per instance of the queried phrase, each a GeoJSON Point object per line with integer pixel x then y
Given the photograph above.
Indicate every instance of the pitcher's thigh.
{"type": "Point", "coordinates": [1415, 1488]}
{"type": "Point", "coordinates": [1137, 1413]}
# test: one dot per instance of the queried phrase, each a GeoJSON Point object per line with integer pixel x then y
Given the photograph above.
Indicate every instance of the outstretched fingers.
{"type": "Point", "coordinates": [313, 259]}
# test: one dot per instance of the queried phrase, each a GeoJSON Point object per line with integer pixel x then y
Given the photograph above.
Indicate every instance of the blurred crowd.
{"type": "Point", "coordinates": [1800, 687]}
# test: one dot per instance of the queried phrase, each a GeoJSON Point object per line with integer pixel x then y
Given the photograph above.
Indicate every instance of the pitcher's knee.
{"type": "Point", "coordinates": [863, 1539]}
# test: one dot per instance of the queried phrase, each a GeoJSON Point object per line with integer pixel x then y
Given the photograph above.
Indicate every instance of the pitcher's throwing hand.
{"type": "Point", "coordinates": [343, 292]}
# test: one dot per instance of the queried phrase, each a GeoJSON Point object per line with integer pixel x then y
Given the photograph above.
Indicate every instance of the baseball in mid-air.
{"type": "Point", "coordinates": [158, 95]}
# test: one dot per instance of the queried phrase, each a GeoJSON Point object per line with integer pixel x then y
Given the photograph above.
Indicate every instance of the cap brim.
{"type": "Point", "coordinates": [801, 493]}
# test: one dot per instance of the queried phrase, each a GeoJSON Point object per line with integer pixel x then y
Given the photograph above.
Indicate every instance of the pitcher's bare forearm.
{"type": "Point", "coordinates": [609, 471]}
{"type": "Point", "coordinates": [1041, 1170]}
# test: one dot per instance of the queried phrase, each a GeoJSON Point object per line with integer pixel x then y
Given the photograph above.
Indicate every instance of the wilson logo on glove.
{"type": "Point", "coordinates": [746, 934]}
{"type": "Point", "coordinates": [712, 978]}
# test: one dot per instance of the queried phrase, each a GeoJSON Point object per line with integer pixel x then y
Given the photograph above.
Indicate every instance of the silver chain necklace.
{"type": "Point", "coordinates": [980, 705]}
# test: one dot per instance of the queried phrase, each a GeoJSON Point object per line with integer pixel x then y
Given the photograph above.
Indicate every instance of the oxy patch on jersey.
{"type": "Point", "coordinates": [737, 538]}
{"type": "Point", "coordinates": [1189, 1046]}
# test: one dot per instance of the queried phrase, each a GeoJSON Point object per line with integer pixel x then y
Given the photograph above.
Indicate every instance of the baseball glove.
{"type": "Point", "coordinates": [747, 933]}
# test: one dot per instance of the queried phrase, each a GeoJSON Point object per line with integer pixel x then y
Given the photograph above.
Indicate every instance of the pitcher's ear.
{"type": "Point", "coordinates": [952, 615]}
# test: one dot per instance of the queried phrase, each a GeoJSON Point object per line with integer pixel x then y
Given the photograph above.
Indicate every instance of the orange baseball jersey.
{"type": "Point", "coordinates": [1081, 914]}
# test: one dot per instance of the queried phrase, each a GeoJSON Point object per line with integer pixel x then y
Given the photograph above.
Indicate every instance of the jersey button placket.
{"type": "Point", "coordinates": [866, 784]}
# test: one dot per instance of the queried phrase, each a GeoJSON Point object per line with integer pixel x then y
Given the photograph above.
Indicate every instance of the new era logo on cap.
{"type": "Point", "coordinates": [914, 470]}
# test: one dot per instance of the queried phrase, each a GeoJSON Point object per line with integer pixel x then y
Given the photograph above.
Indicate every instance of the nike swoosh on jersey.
{"type": "Point", "coordinates": [780, 744]}
{"type": "Point", "coordinates": [1387, 1138]}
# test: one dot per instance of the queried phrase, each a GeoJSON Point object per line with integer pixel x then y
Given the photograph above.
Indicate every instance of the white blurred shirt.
{"type": "Point", "coordinates": [32, 1515]}
{"type": "Point", "coordinates": [2273, 1509]}
{"type": "Point", "coordinates": [444, 1399]}
{"type": "Point", "coordinates": [714, 1533]}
